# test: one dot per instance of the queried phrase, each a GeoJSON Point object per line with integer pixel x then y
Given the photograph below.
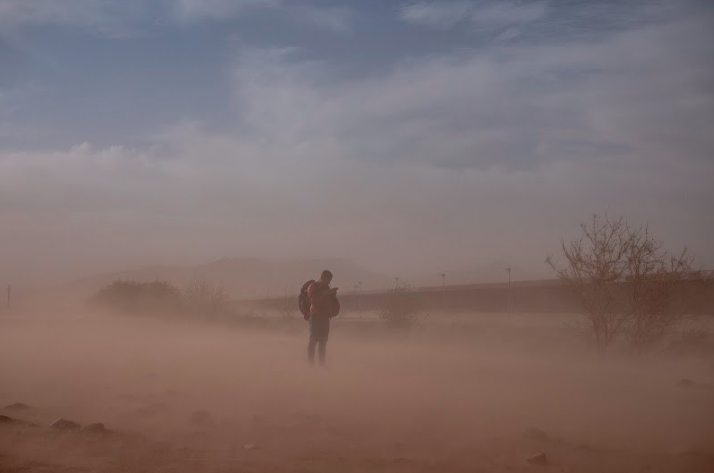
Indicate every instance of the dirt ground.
{"type": "Point", "coordinates": [194, 398]}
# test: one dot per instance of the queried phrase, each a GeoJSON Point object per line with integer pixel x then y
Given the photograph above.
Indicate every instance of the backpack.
{"type": "Point", "coordinates": [304, 300]}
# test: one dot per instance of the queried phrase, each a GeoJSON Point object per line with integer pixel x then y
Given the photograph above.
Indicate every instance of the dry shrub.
{"type": "Point", "coordinates": [133, 297]}
{"type": "Point", "coordinates": [205, 299]}
{"type": "Point", "coordinates": [629, 286]}
{"type": "Point", "coordinates": [401, 310]}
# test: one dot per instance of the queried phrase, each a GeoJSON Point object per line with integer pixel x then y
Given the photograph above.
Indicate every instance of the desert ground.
{"type": "Point", "coordinates": [483, 394]}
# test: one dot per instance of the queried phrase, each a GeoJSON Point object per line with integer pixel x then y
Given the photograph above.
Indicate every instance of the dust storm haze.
{"type": "Point", "coordinates": [206, 398]}
{"type": "Point", "coordinates": [232, 150]}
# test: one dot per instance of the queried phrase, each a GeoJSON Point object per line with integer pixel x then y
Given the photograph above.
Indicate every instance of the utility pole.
{"type": "Point", "coordinates": [509, 290]}
{"type": "Point", "coordinates": [443, 290]}
{"type": "Point", "coordinates": [359, 294]}
{"type": "Point", "coordinates": [397, 283]}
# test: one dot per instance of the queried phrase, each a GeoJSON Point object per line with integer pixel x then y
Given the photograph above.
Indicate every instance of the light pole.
{"type": "Point", "coordinates": [443, 290]}
{"type": "Point", "coordinates": [359, 294]}
{"type": "Point", "coordinates": [509, 290]}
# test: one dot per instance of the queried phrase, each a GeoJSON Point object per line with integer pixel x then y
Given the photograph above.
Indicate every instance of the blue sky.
{"type": "Point", "coordinates": [404, 135]}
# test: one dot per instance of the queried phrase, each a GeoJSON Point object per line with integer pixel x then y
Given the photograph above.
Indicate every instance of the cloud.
{"type": "Point", "coordinates": [47, 11]}
{"type": "Point", "coordinates": [509, 106]}
{"type": "Point", "coordinates": [102, 12]}
{"type": "Point", "coordinates": [337, 19]}
{"type": "Point", "coordinates": [436, 14]}
{"type": "Point", "coordinates": [124, 18]}
{"type": "Point", "coordinates": [463, 156]}
{"type": "Point", "coordinates": [107, 17]}
{"type": "Point", "coordinates": [193, 10]}
{"type": "Point", "coordinates": [504, 13]}
{"type": "Point", "coordinates": [447, 14]}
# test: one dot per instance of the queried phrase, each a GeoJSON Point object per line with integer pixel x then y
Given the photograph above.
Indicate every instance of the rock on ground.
{"type": "Point", "coordinates": [64, 424]}
{"type": "Point", "coordinates": [6, 419]}
{"type": "Point", "coordinates": [95, 427]}
{"type": "Point", "coordinates": [540, 459]}
{"type": "Point", "coordinates": [18, 406]}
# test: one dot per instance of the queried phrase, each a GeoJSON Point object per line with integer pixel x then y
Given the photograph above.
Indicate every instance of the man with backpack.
{"type": "Point", "coordinates": [318, 303]}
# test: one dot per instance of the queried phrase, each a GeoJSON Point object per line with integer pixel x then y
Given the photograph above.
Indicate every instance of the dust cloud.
{"type": "Point", "coordinates": [482, 394]}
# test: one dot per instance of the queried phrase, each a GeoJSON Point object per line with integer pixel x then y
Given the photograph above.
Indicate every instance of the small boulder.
{"type": "Point", "coordinates": [64, 424]}
{"type": "Point", "coordinates": [541, 459]}
{"type": "Point", "coordinates": [249, 446]}
{"type": "Point", "coordinates": [95, 427]}
{"type": "Point", "coordinates": [686, 383]}
{"type": "Point", "coordinates": [18, 406]}
{"type": "Point", "coordinates": [536, 434]}
{"type": "Point", "coordinates": [6, 419]}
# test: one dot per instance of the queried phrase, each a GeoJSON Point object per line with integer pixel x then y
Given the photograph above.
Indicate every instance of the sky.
{"type": "Point", "coordinates": [409, 137]}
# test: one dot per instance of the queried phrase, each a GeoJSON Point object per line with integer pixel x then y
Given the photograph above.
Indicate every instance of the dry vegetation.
{"type": "Point", "coordinates": [199, 299]}
{"type": "Point", "coordinates": [401, 311]}
{"type": "Point", "coordinates": [630, 286]}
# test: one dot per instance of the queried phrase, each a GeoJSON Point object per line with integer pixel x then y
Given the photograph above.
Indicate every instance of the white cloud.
{"type": "Point", "coordinates": [511, 106]}
{"type": "Point", "coordinates": [119, 18]}
{"type": "Point", "coordinates": [338, 19]}
{"type": "Point", "coordinates": [47, 11]}
{"type": "Point", "coordinates": [101, 12]}
{"type": "Point", "coordinates": [504, 13]}
{"type": "Point", "coordinates": [106, 17]}
{"type": "Point", "coordinates": [436, 14]}
{"type": "Point", "coordinates": [191, 10]}
{"type": "Point", "coordinates": [449, 13]}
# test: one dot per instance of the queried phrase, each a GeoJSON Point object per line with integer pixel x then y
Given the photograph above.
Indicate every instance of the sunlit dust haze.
{"type": "Point", "coordinates": [174, 172]}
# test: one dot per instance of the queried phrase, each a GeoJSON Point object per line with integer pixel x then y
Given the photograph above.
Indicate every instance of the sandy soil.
{"type": "Point", "coordinates": [210, 398]}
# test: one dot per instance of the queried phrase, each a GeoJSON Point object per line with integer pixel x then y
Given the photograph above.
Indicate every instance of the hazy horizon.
{"type": "Point", "coordinates": [406, 137]}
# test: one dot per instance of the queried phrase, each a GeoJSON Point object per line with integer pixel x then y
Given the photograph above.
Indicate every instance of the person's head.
{"type": "Point", "coordinates": [326, 277]}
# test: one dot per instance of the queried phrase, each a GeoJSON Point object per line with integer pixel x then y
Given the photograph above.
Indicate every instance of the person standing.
{"type": "Point", "coordinates": [323, 306]}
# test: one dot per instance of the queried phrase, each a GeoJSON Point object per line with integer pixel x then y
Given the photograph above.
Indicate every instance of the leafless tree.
{"type": "Point", "coordinates": [628, 284]}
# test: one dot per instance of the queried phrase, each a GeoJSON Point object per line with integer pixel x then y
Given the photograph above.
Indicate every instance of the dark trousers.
{"type": "Point", "coordinates": [319, 332]}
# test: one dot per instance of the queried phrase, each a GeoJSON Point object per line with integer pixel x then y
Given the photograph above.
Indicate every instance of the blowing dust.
{"type": "Point", "coordinates": [198, 397]}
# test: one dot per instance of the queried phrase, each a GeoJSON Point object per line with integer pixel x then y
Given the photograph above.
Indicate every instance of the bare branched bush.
{"type": "Point", "coordinates": [401, 310]}
{"type": "Point", "coordinates": [131, 297]}
{"type": "Point", "coordinates": [629, 286]}
{"type": "Point", "coordinates": [205, 298]}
